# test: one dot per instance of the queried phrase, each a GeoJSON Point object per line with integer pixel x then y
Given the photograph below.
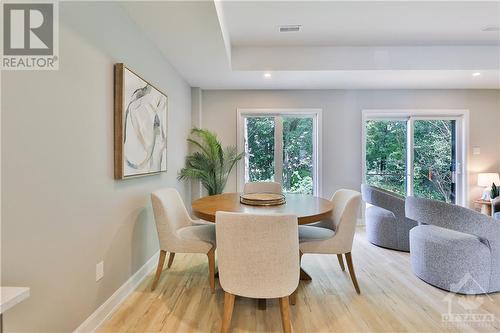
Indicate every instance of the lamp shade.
{"type": "Point", "coordinates": [486, 179]}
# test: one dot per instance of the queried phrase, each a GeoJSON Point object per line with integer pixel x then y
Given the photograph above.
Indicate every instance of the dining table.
{"type": "Point", "coordinates": [307, 208]}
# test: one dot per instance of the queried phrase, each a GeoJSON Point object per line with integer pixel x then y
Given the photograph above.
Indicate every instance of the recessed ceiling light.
{"type": "Point", "coordinates": [267, 75]}
{"type": "Point", "coordinates": [476, 74]}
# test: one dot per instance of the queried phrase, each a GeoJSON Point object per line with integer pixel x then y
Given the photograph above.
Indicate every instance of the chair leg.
{"type": "Point", "coordinates": [348, 259]}
{"type": "Point", "coordinates": [341, 262]}
{"type": "Point", "coordinates": [170, 259]}
{"type": "Point", "coordinates": [211, 268]}
{"type": "Point", "coordinates": [161, 261]}
{"type": "Point", "coordinates": [228, 312]}
{"type": "Point", "coordinates": [293, 297]}
{"type": "Point", "coordinates": [285, 314]}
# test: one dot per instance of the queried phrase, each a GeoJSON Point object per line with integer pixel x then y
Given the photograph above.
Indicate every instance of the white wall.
{"type": "Point", "coordinates": [341, 165]}
{"type": "Point", "coordinates": [62, 211]}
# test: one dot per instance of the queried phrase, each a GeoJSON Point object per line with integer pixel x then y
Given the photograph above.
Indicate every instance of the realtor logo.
{"type": "Point", "coordinates": [29, 36]}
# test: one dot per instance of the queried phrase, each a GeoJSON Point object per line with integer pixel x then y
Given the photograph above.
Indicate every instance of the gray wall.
{"type": "Point", "coordinates": [62, 211]}
{"type": "Point", "coordinates": [341, 154]}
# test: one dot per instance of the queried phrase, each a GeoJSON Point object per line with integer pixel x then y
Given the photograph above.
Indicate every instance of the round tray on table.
{"type": "Point", "coordinates": [262, 199]}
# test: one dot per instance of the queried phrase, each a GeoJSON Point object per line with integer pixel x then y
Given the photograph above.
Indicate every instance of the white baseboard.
{"type": "Point", "coordinates": [103, 312]}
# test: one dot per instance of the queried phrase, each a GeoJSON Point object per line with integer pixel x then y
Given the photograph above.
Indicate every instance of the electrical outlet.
{"type": "Point", "coordinates": [476, 150]}
{"type": "Point", "coordinates": [99, 271]}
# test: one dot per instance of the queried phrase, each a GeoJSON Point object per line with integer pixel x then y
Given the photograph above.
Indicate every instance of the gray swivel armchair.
{"type": "Point", "coordinates": [454, 248]}
{"type": "Point", "coordinates": [495, 208]}
{"type": "Point", "coordinates": [386, 223]}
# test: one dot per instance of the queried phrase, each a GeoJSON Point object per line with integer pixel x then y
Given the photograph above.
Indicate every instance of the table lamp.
{"type": "Point", "coordinates": [486, 180]}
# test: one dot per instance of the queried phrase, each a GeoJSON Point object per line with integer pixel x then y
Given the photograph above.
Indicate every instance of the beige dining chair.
{"type": "Point", "coordinates": [335, 235]}
{"type": "Point", "coordinates": [258, 258]}
{"type": "Point", "coordinates": [262, 187]}
{"type": "Point", "coordinates": [178, 233]}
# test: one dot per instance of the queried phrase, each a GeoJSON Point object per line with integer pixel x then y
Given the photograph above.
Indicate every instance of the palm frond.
{"type": "Point", "coordinates": [209, 163]}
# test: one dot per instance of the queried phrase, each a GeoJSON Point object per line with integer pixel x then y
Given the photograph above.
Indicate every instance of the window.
{"type": "Point", "coordinates": [419, 153]}
{"type": "Point", "coordinates": [386, 154]}
{"type": "Point", "coordinates": [280, 145]}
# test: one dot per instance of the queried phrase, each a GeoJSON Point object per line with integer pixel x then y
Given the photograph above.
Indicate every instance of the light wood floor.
{"type": "Point", "coordinates": [392, 300]}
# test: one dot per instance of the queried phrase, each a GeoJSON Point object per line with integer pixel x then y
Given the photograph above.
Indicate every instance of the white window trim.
{"type": "Point", "coordinates": [462, 115]}
{"type": "Point", "coordinates": [317, 140]}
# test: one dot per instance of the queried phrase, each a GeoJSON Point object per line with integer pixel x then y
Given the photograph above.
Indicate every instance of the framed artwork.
{"type": "Point", "coordinates": [140, 126]}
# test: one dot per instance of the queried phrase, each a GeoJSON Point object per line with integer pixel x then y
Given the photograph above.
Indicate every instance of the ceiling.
{"type": "Point", "coordinates": [362, 23]}
{"type": "Point", "coordinates": [342, 45]}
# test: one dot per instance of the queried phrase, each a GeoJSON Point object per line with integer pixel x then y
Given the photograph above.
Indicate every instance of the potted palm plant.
{"type": "Point", "coordinates": [209, 163]}
{"type": "Point", "coordinates": [495, 191]}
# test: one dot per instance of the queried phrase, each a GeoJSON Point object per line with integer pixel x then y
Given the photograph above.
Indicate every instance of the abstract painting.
{"type": "Point", "coordinates": [140, 126]}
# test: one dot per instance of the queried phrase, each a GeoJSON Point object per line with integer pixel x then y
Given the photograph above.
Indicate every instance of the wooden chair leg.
{"type": "Point", "coordinates": [285, 314]}
{"type": "Point", "coordinates": [348, 259]}
{"type": "Point", "coordinates": [293, 297]}
{"type": "Point", "coordinates": [170, 259]}
{"type": "Point", "coordinates": [228, 312]}
{"type": "Point", "coordinates": [161, 261]}
{"type": "Point", "coordinates": [211, 268]}
{"type": "Point", "coordinates": [341, 262]}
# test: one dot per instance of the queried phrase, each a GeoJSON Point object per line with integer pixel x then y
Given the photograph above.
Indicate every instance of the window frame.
{"type": "Point", "coordinates": [314, 113]}
{"type": "Point", "coordinates": [461, 116]}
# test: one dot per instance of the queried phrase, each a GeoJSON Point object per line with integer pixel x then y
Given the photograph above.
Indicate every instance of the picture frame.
{"type": "Point", "coordinates": [140, 125]}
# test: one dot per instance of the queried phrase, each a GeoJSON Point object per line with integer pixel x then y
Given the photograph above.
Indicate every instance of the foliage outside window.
{"type": "Point", "coordinates": [433, 157]}
{"type": "Point", "coordinates": [433, 160]}
{"type": "Point", "coordinates": [297, 159]}
{"type": "Point", "coordinates": [298, 155]}
{"type": "Point", "coordinates": [386, 155]}
{"type": "Point", "coordinates": [260, 148]}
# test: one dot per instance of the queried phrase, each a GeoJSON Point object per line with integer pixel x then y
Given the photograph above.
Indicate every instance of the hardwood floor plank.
{"type": "Point", "coordinates": [392, 300]}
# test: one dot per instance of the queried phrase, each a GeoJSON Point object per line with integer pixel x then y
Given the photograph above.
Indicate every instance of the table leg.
{"type": "Point", "coordinates": [486, 209]}
{"type": "Point", "coordinates": [262, 303]}
{"type": "Point", "coordinates": [304, 276]}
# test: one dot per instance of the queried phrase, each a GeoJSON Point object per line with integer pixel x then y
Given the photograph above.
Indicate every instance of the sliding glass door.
{"type": "Point", "coordinates": [415, 155]}
{"type": "Point", "coordinates": [280, 146]}
{"type": "Point", "coordinates": [434, 159]}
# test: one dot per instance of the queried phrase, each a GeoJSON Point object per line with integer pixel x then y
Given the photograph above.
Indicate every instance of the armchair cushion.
{"type": "Point", "coordinates": [386, 223]}
{"type": "Point", "coordinates": [381, 228]}
{"type": "Point", "coordinates": [450, 259]}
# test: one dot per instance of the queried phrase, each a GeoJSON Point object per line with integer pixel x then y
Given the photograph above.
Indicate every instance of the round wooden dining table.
{"type": "Point", "coordinates": [308, 208]}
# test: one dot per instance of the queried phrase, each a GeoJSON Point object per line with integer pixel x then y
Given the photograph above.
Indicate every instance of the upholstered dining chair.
{"type": "Point", "coordinates": [178, 233]}
{"type": "Point", "coordinates": [258, 258]}
{"type": "Point", "coordinates": [335, 235]}
{"type": "Point", "coordinates": [262, 187]}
